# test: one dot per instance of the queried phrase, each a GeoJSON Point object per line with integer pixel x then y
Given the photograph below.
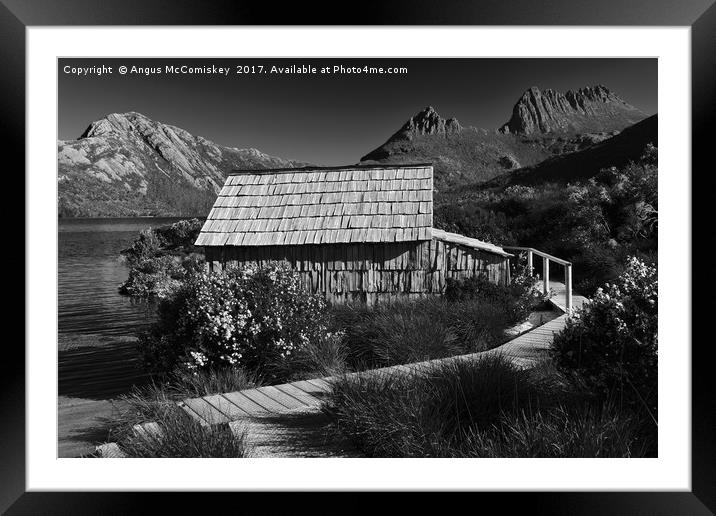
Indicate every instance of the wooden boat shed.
{"type": "Point", "coordinates": [355, 233]}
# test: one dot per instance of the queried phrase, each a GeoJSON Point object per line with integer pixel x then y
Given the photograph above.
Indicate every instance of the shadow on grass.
{"type": "Point", "coordinates": [308, 433]}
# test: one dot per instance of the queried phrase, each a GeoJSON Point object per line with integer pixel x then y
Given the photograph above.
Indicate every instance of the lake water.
{"type": "Point", "coordinates": [90, 271]}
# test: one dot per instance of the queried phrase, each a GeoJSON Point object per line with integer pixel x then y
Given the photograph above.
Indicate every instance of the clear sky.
{"type": "Point", "coordinates": [331, 119]}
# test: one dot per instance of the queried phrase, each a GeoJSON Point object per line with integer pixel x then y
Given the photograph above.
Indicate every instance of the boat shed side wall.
{"type": "Point", "coordinates": [371, 272]}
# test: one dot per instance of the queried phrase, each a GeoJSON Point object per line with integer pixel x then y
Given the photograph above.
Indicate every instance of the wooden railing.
{"type": "Point", "coordinates": [546, 258]}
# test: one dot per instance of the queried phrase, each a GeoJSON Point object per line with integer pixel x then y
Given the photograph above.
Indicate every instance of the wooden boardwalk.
{"type": "Point", "coordinates": [285, 420]}
{"type": "Point", "coordinates": [524, 350]}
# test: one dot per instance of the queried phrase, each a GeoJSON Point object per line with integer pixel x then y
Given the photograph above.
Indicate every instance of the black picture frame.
{"type": "Point", "coordinates": [700, 15]}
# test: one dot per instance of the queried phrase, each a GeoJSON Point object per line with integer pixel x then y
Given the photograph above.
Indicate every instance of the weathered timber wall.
{"type": "Point", "coordinates": [371, 273]}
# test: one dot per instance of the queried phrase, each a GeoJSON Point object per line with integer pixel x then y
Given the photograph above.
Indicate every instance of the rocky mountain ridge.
{"type": "Point", "coordinates": [544, 124]}
{"type": "Point", "coordinates": [129, 164]}
{"type": "Point", "coordinates": [584, 110]}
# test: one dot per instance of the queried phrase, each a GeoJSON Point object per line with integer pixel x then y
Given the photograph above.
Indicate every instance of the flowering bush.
{"type": "Point", "coordinates": [611, 343]}
{"type": "Point", "coordinates": [252, 317]}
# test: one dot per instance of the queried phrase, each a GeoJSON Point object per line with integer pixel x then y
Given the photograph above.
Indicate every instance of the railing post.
{"type": "Point", "coordinates": [545, 273]}
{"type": "Point", "coordinates": [529, 261]}
{"type": "Point", "coordinates": [568, 287]}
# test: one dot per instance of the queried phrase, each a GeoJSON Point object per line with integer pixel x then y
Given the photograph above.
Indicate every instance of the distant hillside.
{"type": "Point", "coordinates": [543, 125]}
{"type": "Point", "coordinates": [127, 164]}
{"type": "Point", "coordinates": [614, 152]}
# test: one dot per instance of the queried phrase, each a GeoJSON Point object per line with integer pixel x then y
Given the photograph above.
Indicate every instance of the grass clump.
{"type": "Point", "coordinates": [186, 384]}
{"type": "Point", "coordinates": [412, 331]}
{"type": "Point", "coordinates": [472, 317]}
{"type": "Point", "coordinates": [485, 408]}
{"type": "Point", "coordinates": [179, 435]}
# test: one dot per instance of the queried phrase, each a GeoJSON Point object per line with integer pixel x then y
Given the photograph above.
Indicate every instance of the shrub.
{"type": "Point", "coordinates": [153, 241]}
{"type": "Point", "coordinates": [147, 245]}
{"type": "Point", "coordinates": [253, 317]}
{"type": "Point", "coordinates": [159, 276]}
{"type": "Point", "coordinates": [180, 234]}
{"type": "Point", "coordinates": [594, 222]}
{"type": "Point", "coordinates": [516, 299]}
{"type": "Point", "coordinates": [161, 258]}
{"type": "Point", "coordinates": [611, 343]}
{"type": "Point", "coordinates": [485, 408]}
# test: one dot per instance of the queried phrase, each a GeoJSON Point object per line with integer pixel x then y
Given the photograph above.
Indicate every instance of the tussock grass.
{"type": "Point", "coordinates": [485, 408]}
{"type": "Point", "coordinates": [180, 436]}
{"type": "Point", "coordinates": [184, 384]}
{"type": "Point", "coordinates": [327, 356]}
{"type": "Point", "coordinates": [413, 331]}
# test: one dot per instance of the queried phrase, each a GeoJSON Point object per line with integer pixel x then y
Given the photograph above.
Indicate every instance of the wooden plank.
{"type": "Point", "coordinates": [231, 411]}
{"type": "Point", "coordinates": [266, 402]}
{"type": "Point", "coordinates": [299, 394]}
{"type": "Point", "coordinates": [309, 388]}
{"type": "Point", "coordinates": [244, 403]}
{"type": "Point", "coordinates": [320, 383]}
{"type": "Point", "coordinates": [205, 411]}
{"type": "Point", "coordinates": [286, 400]}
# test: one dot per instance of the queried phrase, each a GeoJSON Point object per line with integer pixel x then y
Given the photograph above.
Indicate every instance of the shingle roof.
{"type": "Point", "coordinates": [313, 205]}
{"type": "Point", "coordinates": [439, 234]}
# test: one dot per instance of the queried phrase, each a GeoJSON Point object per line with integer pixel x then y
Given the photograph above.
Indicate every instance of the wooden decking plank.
{"type": "Point", "coordinates": [281, 397]}
{"type": "Point", "coordinates": [206, 411]}
{"type": "Point", "coordinates": [310, 388]}
{"type": "Point", "coordinates": [230, 410]}
{"type": "Point", "coordinates": [292, 390]}
{"type": "Point", "coordinates": [542, 331]}
{"type": "Point", "coordinates": [189, 410]}
{"type": "Point", "coordinates": [320, 383]}
{"type": "Point", "coordinates": [245, 403]}
{"type": "Point", "coordinates": [266, 402]}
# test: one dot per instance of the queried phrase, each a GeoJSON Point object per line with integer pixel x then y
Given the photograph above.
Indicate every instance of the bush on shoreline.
{"type": "Point", "coordinates": [254, 318]}
{"type": "Point", "coordinates": [160, 258]}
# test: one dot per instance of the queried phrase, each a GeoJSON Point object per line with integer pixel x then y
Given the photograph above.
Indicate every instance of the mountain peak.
{"type": "Point", "coordinates": [128, 164]}
{"type": "Point", "coordinates": [583, 110]}
{"type": "Point", "coordinates": [427, 122]}
{"type": "Point", "coordinates": [116, 123]}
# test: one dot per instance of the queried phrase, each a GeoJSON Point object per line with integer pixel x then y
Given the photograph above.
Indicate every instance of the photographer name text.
{"type": "Point", "coordinates": [234, 70]}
